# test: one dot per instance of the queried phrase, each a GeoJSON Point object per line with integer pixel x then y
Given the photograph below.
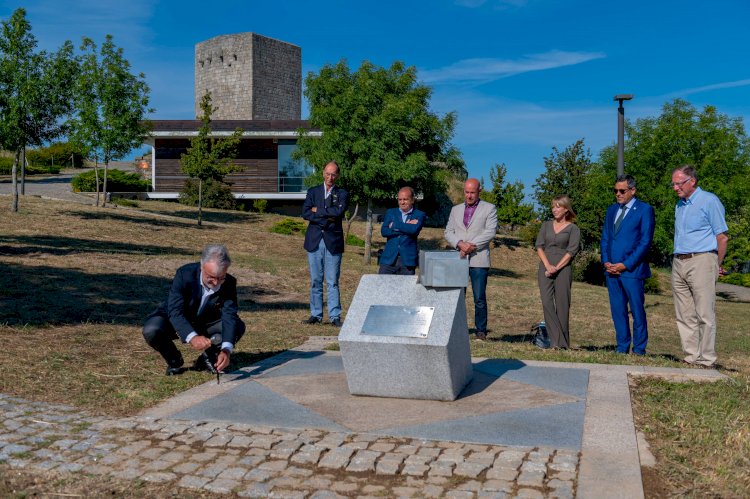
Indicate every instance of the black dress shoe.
{"type": "Point", "coordinates": [336, 322]}
{"type": "Point", "coordinates": [174, 367]}
{"type": "Point", "coordinates": [312, 320]}
{"type": "Point", "coordinates": [174, 371]}
{"type": "Point", "coordinates": [481, 335]}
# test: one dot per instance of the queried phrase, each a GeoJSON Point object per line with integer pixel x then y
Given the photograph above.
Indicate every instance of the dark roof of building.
{"type": "Point", "coordinates": [231, 125]}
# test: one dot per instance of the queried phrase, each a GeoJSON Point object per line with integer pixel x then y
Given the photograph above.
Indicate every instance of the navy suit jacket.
{"type": "Point", "coordinates": [402, 237]}
{"type": "Point", "coordinates": [325, 223]}
{"type": "Point", "coordinates": [631, 243]}
{"type": "Point", "coordinates": [185, 298]}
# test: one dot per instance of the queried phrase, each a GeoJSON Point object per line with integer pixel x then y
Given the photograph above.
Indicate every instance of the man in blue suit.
{"type": "Point", "coordinates": [626, 237]}
{"type": "Point", "coordinates": [401, 227]}
{"type": "Point", "coordinates": [324, 209]}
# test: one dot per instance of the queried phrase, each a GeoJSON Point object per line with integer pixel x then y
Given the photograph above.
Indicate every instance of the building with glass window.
{"type": "Point", "coordinates": [256, 85]}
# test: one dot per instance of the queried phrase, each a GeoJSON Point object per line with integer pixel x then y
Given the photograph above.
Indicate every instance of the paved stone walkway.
{"type": "Point", "coordinates": [263, 461]}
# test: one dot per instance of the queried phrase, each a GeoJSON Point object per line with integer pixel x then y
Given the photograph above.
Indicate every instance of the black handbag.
{"type": "Point", "coordinates": [539, 337]}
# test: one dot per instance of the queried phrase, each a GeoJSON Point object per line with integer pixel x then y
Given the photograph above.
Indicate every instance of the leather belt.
{"type": "Point", "coordinates": [685, 256]}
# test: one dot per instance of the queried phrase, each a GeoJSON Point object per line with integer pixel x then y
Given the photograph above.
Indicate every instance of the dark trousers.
{"type": "Point", "coordinates": [397, 268]}
{"type": "Point", "coordinates": [478, 276]}
{"type": "Point", "coordinates": [160, 335]}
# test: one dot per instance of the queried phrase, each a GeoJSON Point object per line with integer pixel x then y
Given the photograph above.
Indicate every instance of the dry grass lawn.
{"type": "Point", "coordinates": [77, 282]}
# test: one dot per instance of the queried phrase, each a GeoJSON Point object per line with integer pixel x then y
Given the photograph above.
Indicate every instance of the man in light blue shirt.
{"type": "Point", "coordinates": [700, 243]}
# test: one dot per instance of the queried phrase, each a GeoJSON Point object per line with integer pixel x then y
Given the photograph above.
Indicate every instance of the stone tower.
{"type": "Point", "coordinates": [250, 77]}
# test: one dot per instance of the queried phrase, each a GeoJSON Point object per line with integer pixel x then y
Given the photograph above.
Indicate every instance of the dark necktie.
{"type": "Point", "coordinates": [620, 217]}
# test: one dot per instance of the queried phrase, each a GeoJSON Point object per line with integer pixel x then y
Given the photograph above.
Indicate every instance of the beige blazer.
{"type": "Point", "coordinates": [481, 231]}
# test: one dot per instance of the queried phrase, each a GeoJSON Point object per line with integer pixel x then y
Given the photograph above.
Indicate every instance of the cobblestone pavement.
{"type": "Point", "coordinates": [256, 461]}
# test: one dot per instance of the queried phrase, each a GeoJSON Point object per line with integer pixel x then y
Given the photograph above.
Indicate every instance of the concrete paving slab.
{"type": "Point", "coordinates": [507, 403]}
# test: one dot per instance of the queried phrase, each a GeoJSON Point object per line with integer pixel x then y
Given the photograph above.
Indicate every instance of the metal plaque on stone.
{"type": "Point", "coordinates": [394, 320]}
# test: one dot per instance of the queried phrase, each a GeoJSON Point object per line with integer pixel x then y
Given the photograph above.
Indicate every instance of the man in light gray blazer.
{"type": "Point", "coordinates": [471, 228]}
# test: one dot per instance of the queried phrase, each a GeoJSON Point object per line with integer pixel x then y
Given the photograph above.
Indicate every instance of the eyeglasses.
{"type": "Point", "coordinates": [620, 191]}
{"type": "Point", "coordinates": [679, 184]}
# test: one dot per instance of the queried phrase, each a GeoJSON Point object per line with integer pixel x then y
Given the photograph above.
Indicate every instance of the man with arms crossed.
{"type": "Point", "coordinates": [324, 209]}
{"type": "Point", "coordinates": [471, 228]}
{"type": "Point", "coordinates": [401, 227]}
{"type": "Point", "coordinates": [626, 238]}
{"type": "Point", "coordinates": [700, 243]}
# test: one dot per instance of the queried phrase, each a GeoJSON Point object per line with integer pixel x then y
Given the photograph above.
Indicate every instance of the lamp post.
{"type": "Point", "coordinates": [621, 132]}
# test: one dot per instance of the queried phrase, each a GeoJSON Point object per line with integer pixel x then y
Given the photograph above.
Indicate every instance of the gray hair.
{"type": "Point", "coordinates": [688, 170]}
{"type": "Point", "coordinates": [217, 253]}
{"type": "Point", "coordinates": [626, 178]}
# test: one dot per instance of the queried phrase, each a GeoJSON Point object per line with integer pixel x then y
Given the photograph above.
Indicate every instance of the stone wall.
{"type": "Point", "coordinates": [250, 77]}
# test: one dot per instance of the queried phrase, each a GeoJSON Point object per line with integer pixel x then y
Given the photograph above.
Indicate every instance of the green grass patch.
{"type": "Point", "coordinates": [289, 226]}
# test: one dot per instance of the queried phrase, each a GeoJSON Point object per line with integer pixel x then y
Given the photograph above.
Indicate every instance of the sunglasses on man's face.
{"type": "Point", "coordinates": [620, 191]}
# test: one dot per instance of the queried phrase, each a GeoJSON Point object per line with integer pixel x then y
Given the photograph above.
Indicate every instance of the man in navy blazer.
{"type": "Point", "coordinates": [626, 238]}
{"type": "Point", "coordinates": [202, 303]}
{"type": "Point", "coordinates": [401, 227]}
{"type": "Point", "coordinates": [324, 209]}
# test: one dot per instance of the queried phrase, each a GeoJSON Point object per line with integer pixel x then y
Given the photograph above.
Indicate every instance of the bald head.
{"type": "Point", "coordinates": [406, 199]}
{"type": "Point", "coordinates": [471, 191]}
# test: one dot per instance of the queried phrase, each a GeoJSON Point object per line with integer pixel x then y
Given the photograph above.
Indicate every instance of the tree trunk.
{"type": "Point", "coordinates": [200, 200]}
{"type": "Point", "coordinates": [350, 220]}
{"type": "Point", "coordinates": [23, 171]}
{"type": "Point", "coordinates": [14, 183]}
{"type": "Point", "coordinates": [96, 178]}
{"type": "Point", "coordinates": [104, 184]}
{"type": "Point", "coordinates": [368, 234]}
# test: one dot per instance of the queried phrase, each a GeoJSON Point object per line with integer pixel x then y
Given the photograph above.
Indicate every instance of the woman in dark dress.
{"type": "Point", "coordinates": [556, 245]}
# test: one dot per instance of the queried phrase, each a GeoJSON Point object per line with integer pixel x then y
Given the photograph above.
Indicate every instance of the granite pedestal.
{"type": "Point", "coordinates": [435, 367]}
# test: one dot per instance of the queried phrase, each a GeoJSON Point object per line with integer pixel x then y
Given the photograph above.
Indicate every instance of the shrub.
{"type": "Point", "coordinates": [61, 154]}
{"type": "Point", "coordinates": [353, 240]}
{"type": "Point", "coordinates": [527, 233]}
{"type": "Point", "coordinates": [288, 226]}
{"type": "Point", "coordinates": [737, 279]}
{"type": "Point", "coordinates": [652, 286]}
{"type": "Point", "coordinates": [6, 168]}
{"type": "Point", "coordinates": [260, 205]}
{"type": "Point", "coordinates": [587, 267]}
{"type": "Point", "coordinates": [215, 195]}
{"type": "Point", "coordinates": [130, 203]}
{"type": "Point", "coordinates": [117, 181]}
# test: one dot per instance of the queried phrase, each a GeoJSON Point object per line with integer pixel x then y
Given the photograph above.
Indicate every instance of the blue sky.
{"type": "Point", "coordinates": [522, 75]}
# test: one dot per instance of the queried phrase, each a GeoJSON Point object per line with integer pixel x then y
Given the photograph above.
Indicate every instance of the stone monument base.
{"type": "Point", "coordinates": [435, 367]}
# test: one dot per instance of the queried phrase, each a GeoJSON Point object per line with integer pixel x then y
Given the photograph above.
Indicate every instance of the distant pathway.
{"type": "Point", "coordinates": [57, 187]}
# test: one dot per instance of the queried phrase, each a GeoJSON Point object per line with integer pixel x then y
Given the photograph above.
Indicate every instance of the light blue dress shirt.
{"type": "Point", "coordinates": [697, 222]}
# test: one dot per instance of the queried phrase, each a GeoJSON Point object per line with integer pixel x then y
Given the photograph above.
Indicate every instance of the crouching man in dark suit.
{"type": "Point", "coordinates": [201, 310]}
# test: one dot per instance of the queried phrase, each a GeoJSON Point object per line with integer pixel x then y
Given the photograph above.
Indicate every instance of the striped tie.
{"type": "Point", "coordinates": [620, 217]}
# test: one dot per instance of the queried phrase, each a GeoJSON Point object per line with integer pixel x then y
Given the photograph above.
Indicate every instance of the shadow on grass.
{"type": "Point", "coordinates": [42, 295]}
{"type": "Point", "coordinates": [130, 217]}
{"type": "Point", "coordinates": [227, 217]}
{"type": "Point", "coordinates": [503, 273]}
{"type": "Point", "coordinates": [57, 245]}
{"type": "Point", "coordinates": [259, 299]}
{"type": "Point", "coordinates": [509, 242]}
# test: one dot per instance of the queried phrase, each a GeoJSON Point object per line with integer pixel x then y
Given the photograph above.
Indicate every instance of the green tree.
{"type": "Point", "coordinates": [714, 143]}
{"type": "Point", "coordinates": [572, 172]}
{"type": "Point", "coordinates": [377, 126]}
{"type": "Point", "coordinates": [209, 159]}
{"type": "Point", "coordinates": [111, 105]}
{"type": "Point", "coordinates": [511, 209]}
{"type": "Point", "coordinates": [508, 198]}
{"type": "Point", "coordinates": [35, 91]}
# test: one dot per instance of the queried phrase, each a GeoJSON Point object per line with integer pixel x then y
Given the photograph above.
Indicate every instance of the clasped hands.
{"type": "Point", "coordinates": [614, 269]}
{"type": "Point", "coordinates": [201, 343]}
{"type": "Point", "coordinates": [466, 248]}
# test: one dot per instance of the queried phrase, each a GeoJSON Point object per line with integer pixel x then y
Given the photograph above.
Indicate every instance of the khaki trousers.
{"type": "Point", "coordinates": [694, 291]}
